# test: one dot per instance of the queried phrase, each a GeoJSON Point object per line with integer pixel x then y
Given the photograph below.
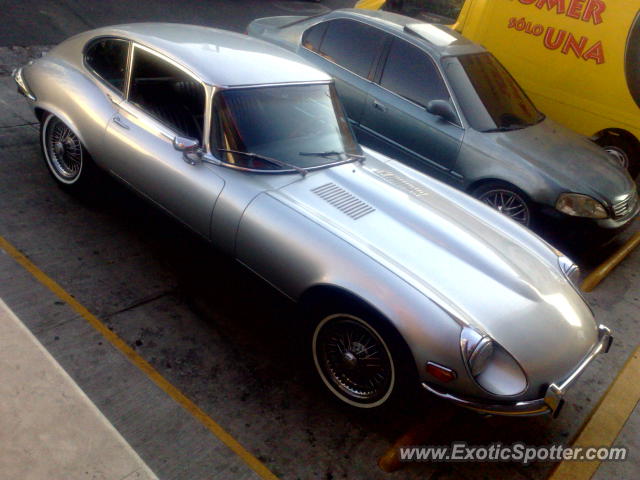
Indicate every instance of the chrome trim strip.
{"type": "Point", "coordinates": [283, 84]}
{"type": "Point", "coordinates": [554, 396]}
{"type": "Point", "coordinates": [533, 407]}
{"type": "Point", "coordinates": [603, 345]}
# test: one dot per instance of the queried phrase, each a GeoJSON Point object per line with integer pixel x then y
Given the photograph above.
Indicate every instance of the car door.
{"type": "Point", "coordinates": [348, 51]}
{"type": "Point", "coordinates": [164, 101]}
{"type": "Point", "coordinates": [395, 119]}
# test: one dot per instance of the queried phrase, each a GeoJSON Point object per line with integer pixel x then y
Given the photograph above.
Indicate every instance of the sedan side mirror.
{"type": "Point", "coordinates": [190, 148]}
{"type": "Point", "coordinates": [442, 108]}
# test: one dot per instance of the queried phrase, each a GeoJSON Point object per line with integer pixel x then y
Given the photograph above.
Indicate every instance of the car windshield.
{"type": "Point", "coordinates": [489, 96]}
{"type": "Point", "coordinates": [288, 127]}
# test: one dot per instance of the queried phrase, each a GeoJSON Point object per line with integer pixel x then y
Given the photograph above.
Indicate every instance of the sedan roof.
{"type": "Point", "coordinates": [440, 40]}
{"type": "Point", "coordinates": [218, 57]}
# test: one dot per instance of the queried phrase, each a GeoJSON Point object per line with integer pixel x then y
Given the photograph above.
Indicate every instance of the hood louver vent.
{"type": "Point", "coordinates": [344, 201]}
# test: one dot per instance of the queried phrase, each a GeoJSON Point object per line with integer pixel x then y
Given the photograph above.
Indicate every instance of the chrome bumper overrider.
{"type": "Point", "coordinates": [553, 399]}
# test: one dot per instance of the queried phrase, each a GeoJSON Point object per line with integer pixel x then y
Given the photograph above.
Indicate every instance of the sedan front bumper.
{"type": "Point", "coordinates": [551, 403]}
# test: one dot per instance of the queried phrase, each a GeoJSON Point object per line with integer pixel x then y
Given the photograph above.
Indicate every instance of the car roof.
{"type": "Point", "coordinates": [440, 40]}
{"type": "Point", "coordinates": [218, 57]}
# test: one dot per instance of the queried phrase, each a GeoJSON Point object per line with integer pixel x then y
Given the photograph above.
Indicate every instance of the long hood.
{"type": "Point", "coordinates": [481, 267]}
{"type": "Point", "coordinates": [574, 161]}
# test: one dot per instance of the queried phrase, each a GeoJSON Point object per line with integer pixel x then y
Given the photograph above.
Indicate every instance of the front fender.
{"type": "Point", "coordinates": [294, 254]}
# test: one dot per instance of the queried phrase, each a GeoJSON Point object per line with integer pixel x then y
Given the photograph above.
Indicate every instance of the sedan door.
{"type": "Point", "coordinates": [348, 50]}
{"type": "Point", "coordinates": [164, 101]}
{"type": "Point", "coordinates": [395, 119]}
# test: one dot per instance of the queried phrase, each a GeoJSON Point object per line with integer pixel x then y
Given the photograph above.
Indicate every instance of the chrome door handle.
{"type": "Point", "coordinates": [378, 106]}
{"type": "Point", "coordinates": [118, 121]}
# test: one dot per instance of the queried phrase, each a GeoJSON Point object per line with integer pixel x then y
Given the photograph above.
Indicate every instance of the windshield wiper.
{"type": "Point", "coordinates": [275, 161]}
{"type": "Point", "coordinates": [333, 153]}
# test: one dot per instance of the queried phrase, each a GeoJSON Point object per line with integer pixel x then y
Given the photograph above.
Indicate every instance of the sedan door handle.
{"type": "Point", "coordinates": [378, 106]}
{"type": "Point", "coordinates": [118, 121]}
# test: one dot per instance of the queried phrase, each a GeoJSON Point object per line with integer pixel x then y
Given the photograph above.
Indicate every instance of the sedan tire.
{"type": "Point", "coordinates": [621, 151]}
{"type": "Point", "coordinates": [360, 359]}
{"type": "Point", "coordinates": [66, 158]}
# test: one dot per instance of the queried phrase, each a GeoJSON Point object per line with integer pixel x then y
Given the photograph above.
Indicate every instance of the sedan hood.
{"type": "Point", "coordinates": [572, 160]}
{"type": "Point", "coordinates": [484, 269]}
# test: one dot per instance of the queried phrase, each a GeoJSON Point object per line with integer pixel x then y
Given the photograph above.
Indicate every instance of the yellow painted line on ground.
{"type": "Point", "coordinates": [606, 421]}
{"type": "Point", "coordinates": [605, 268]}
{"type": "Point", "coordinates": [140, 362]}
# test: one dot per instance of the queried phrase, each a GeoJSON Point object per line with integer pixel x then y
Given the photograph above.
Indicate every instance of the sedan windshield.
{"type": "Point", "coordinates": [288, 127]}
{"type": "Point", "coordinates": [489, 96]}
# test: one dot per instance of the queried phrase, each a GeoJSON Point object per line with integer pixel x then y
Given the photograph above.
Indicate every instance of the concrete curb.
{"type": "Point", "coordinates": [48, 427]}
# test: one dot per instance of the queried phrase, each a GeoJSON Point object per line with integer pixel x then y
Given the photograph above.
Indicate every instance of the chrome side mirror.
{"type": "Point", "coordinates": [190, 148]}
{"type": "Point", "coordinates": [443, 109]}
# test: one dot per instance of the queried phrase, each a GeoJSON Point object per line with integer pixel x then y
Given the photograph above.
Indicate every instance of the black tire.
{"type": "Point", "coordinates": [624, 151]}
{"type": "Point", "coordinates": [508, 200]}
{"type": "Point", "coordinates": [360, 360]}
{"type": "Point", "coordinates": [66, 158]}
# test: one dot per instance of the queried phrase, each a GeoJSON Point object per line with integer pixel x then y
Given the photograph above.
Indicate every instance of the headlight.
{"type": "Point", "coordinates": [578, 205]}
{"type": "Point", "coordinates": [477, 350]}
{"type": "Point", "coordinates": [22, 85]}
{"type": "Point", "coordinates": [570, 269]}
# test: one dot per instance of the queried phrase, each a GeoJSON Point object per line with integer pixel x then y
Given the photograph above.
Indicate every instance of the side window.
{"type": "Point", "coordinates": [411, 73]}
{"type": "Point", "coordinates": [352, 45]}
{"type": "Point", "coordinates": [167, 93]}
{"type": "Point", "coordinates": [108, 59]}
{"type": "Point", "coordinates": [312, 37]}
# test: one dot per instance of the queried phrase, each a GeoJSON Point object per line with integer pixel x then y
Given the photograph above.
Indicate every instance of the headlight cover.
{"type": "Point", "coordinates": [491, 367]}
{"type": "Point", "coordinates": [477, 350]}
{"type": "Point", "coordinates": [578, 205]}
{"type": "Point", "coordinates": [22, 85]}
{"type": "Point", "coordinates": [570, 269]}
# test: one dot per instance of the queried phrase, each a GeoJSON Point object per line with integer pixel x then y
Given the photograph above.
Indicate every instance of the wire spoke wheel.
{"type": "Point", "coordinates": [353, 360]}
{"type": "Point", "coordinates": [63, 150]}
{"type": "Point", "coordinates": [509, 203]}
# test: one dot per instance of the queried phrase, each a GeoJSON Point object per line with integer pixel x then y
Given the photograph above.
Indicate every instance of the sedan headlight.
{"type": "Point", "coordinates": [477, 350]}
{"type": "Point", "coordinates": [578, 205]}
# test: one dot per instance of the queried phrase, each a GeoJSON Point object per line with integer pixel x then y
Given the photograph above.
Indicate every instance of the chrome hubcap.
{"type": "Point", "coordinates": [618, 155]}
{"type": "Point", "coordinates": [508, 203]}
{"type": "Point", "coordinates": [64, 150]}
{"type": "Point", "coordinates": [353, 360]}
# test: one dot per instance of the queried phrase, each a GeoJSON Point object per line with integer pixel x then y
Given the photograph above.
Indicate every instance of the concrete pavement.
{"type": "Point", "coordinates": [214, 330]}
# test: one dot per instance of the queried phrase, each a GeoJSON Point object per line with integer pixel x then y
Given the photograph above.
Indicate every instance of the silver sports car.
{"type": "Point", "coordinates": [409, 282]}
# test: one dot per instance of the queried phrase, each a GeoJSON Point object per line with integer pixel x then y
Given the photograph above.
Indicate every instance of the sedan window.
{"type": "Point", "coordinates": [108, 59]}
{"type": "Point", "coordinates": [411, 73]}
{"type": "Point", "coordinates": [167, 93]}
{"type": "Point", "coordinates": [352, 45]}
{"type": "Point", "coordinates": [300, 125]}
{"type": "Point", "coordinates": [312, 38]}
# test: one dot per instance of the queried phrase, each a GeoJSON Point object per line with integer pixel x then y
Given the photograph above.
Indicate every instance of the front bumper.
{"type": "Point", "coordinates": [551, 403]}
